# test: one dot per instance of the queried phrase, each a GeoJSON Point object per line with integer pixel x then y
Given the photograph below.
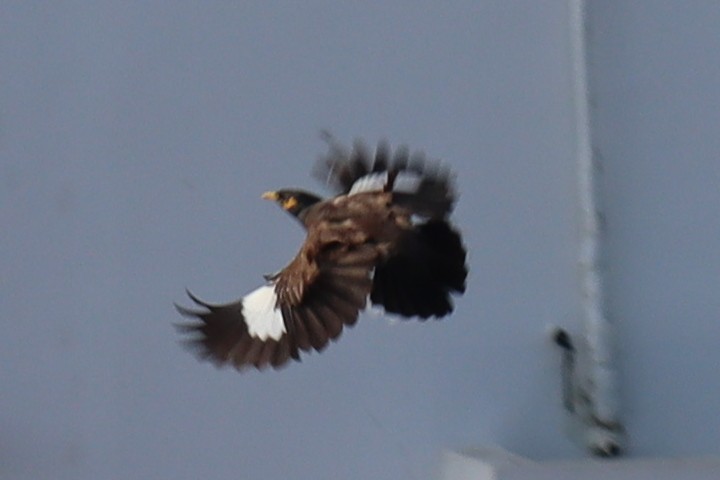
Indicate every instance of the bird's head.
{"type": "Point", "coordinates": [294, 202]}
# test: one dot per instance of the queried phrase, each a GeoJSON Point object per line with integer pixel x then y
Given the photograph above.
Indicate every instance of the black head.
{"type": "Point", "coordinates": [292, 201]}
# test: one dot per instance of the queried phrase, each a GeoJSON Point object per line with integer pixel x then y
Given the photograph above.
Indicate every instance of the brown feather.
{"type": "Point", "coordinates": [252, 354]}
{"type": "Point", "coordinates": [266, 354]}
{"type": "Point", "coordinates": [282, 352]}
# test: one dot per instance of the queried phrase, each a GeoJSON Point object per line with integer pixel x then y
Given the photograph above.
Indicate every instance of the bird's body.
{"type": "Point", "coordinates": [373, 240]}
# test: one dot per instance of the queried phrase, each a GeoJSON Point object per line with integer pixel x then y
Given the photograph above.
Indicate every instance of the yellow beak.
{"type": "Point", "coordinates": [270, 196]}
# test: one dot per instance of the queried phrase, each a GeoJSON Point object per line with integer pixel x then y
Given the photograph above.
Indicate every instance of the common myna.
{"type": "Point", "coordinates": [385, 236]}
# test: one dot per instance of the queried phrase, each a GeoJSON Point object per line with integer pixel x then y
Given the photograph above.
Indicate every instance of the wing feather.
{"type": "Point", "coordinates": [423, 186]}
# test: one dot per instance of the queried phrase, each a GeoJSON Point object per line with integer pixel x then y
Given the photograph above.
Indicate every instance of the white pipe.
{"type": "Point", "coordinates": [599, 382]}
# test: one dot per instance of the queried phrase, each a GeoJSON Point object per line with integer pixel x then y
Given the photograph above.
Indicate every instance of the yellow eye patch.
{"type": "Point", "coordinates": [289, 203]}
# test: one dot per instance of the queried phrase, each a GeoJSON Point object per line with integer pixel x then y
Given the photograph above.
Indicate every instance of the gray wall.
{"type": "Point", "coordinates": [656, 83]}
{"type": "Point", "coordinates": [136, 138]}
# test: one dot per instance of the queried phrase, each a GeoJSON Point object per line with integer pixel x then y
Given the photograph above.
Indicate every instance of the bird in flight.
{"type": "Point", "coordinates": [385, 236]}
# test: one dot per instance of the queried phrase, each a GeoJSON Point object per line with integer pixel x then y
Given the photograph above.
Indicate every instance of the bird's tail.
{"type": "Point", "coordinates": [418, 279]}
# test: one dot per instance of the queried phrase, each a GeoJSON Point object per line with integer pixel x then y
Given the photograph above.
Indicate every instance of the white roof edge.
{"type": "Point", "coordinates": [494, 463]}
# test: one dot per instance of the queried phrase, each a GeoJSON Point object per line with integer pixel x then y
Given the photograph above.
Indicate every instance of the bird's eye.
{"type": "Point", "coordinates": [289, 203]}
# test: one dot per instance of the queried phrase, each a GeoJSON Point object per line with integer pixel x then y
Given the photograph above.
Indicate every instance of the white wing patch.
{"type": "Point", "coordinates": [371, 182]}
{"type": "Point", "coordinates": [407, 182]}
{"type": "Point", "coordinates": [262, 318]}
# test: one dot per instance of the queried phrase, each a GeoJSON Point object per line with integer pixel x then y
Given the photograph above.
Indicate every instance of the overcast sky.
{"type": "Point", "coordinates": [137, 137]}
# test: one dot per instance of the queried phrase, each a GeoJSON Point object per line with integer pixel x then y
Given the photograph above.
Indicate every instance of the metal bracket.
{"type": "Point", "coordinates": [601, 438]}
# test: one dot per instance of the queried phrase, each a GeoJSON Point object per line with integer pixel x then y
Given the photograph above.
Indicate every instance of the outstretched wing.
{"type": "Point", "coordinates": [302, 307]}
{"type": "Point", "coordinates": [423, 186]}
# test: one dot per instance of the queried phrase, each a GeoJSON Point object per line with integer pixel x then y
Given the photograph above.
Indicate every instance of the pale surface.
{"type": "Point", "coordinates": [497, 464]}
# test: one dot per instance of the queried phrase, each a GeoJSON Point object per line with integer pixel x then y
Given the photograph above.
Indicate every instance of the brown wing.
{"type": "Point", "coordinates": [424, 264]}
{"type": "Point", "coordinates": [318, 296]}
{"type": "Point", "coordinates": [424, 186]}
{"type": "Point", "coordinates": [224, 337]}
{"type": "Point", "coordinates": [303, 307]}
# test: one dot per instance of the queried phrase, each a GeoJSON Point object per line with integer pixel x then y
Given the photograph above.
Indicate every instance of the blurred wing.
{"type": "Point", "coordinates": [247, 332]}
{"type": "Point", "coordinates": [330, 299]}
{"type": "Point", "coordinates": [303, 307]}
{"type": "Point", "coordinates": [424, 187]}
{"type": "Point", "coordinates": [417, 280]}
